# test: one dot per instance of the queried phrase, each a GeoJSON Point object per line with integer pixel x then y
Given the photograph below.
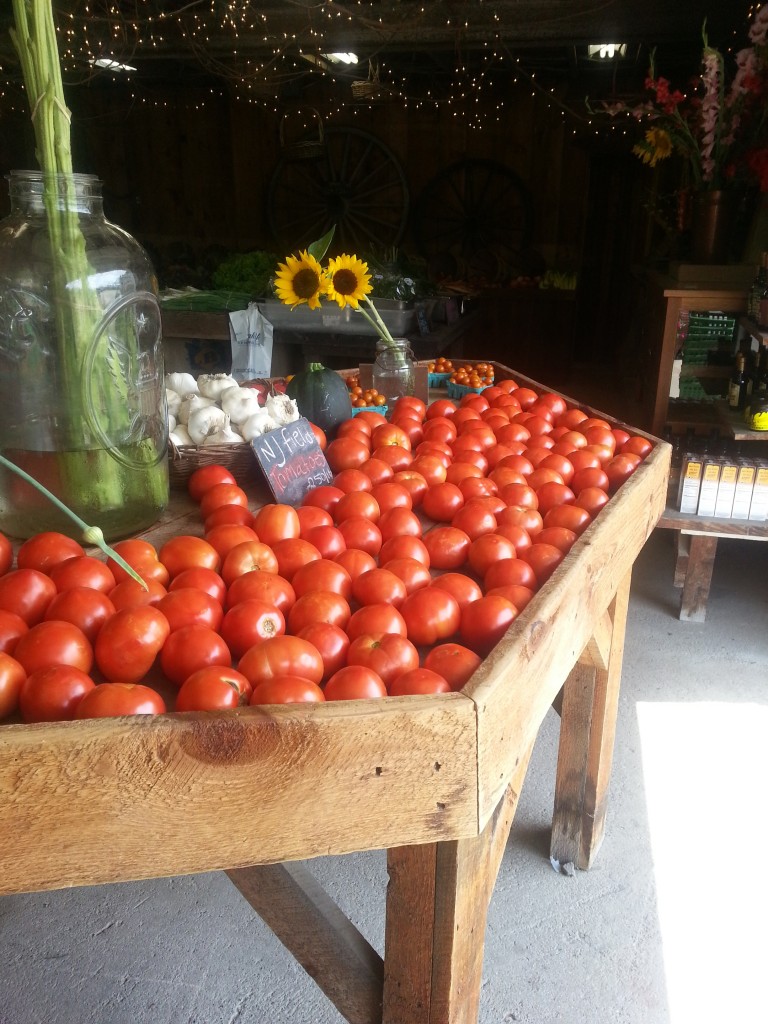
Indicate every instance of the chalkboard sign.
{"type": "Point", "coordinates": [291, 461]}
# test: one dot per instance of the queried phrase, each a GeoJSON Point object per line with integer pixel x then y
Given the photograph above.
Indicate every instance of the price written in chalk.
{"type": "Point", "coordinates": [291, 461]}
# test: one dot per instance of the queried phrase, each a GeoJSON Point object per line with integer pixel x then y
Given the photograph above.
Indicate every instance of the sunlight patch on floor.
{"type": "Point", "coordinates": [704, 768]}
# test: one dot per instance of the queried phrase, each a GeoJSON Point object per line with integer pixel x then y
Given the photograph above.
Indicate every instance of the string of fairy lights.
{"type": "Point", "coordinates": [214, 35]}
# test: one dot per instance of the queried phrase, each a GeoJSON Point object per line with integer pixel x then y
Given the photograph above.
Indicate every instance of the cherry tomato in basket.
{"type": "Point", "coordinates": [215, 688]}
{"type": "Point", "coordinates": [53, 694]}
{"type": "Point", "coordinates": [110, 700]}
{"type": "Point", "coordinates": [129, 642]}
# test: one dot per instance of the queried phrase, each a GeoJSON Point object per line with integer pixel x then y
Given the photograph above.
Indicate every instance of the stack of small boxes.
{"type": "Point", "coordinates": [703, 336]}
{"type": "Point", "coordinates": [724, 487]}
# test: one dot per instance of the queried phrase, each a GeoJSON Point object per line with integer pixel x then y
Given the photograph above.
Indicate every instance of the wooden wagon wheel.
{"type": "Point", "coordinates": [473, 206]}
{"type": "Point", "coordinates": [357, 184]}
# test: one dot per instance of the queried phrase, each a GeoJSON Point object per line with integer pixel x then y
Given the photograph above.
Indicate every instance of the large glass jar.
{"type": "Point", "coordinates": [393, 371]}
{"type": "Point", "coordinates": [82, 395]}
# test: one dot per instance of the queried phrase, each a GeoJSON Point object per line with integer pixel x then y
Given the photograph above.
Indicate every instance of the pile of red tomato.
{"type": "Point", "coordinates": [398, 578]}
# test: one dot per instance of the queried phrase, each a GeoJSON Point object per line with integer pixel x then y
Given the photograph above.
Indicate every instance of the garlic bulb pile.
{"type": "Point", "coordinates": [214, 409]}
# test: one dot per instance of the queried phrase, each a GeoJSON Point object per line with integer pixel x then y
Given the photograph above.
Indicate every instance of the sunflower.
{"type": "Point", "coordinates": [300, 279]}
{"type": "Point", "coordinates": [657, 146]}
{"type": "Point", "coordinates": [348, 280]}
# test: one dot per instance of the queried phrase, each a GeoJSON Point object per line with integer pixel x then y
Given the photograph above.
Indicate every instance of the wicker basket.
{"type": "Point", "coordinates": [184, 459]}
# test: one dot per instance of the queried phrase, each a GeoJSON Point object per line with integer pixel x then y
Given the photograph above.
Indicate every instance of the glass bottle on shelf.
{"type": "Point", "coordinates": [82, 396]}
{"type": "Point", "coordinates": [393, 372]}
{"type": "Point", "coordinates": [757, 287]}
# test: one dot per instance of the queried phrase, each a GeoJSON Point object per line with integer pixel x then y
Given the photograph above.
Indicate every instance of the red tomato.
{"type": "Point", "coordinates": [360, 533]}
{"type": "Point", "coordinates": [320, 436]}
{"type": "Point", "coordinates": [346, 453]}
{"type": "Point", "coordinates": [222, 494]}
{"type": "Point", "coordinates": [551, 494]}
{"type": "Point", "coordinates": [462, 587]}
{"type": "Point", "coordinates": [130, 594]}
{"type": "Point", "coordinates": [82, 571]}
{"type": "Point", "coordinates": [355, 561]}
{"type": "Point", "coordinates": [328, 540]}
{"type": "Point", "coordinates": [191, 648]}
{"type": "Point", "coordinates": [399, 522]}
{"type": "Point", "coordinates": [322, 574]}
{"type": "Point", "coordinates": [409, 402]}
{"type": "Point", "coordinates": [543, 559]}
{"type": "Point", "coordinates": [53, 694]}
{"type": "Point", "coordinates": [619, 469]}
{"type": "Point", "coordinates": [571, 418]}
{"type": "Point", "coordinates": [509, 571]}
{"type": "Point", "coordinates": [592, 499]}
{"type": "Point", "coordinates": [389, 495]}
{"type": "Point", "coordinates": [202, 579]}
{"type": "Point", "coordinates": [440, 407]}
{"type": "Point", "coordinates": [248, 623]}
{"type": "Point", "coordinates": [282, 656]}
{"type": "Point", "coordinates": [431, 468]}
{"type": "Point", "coordinates": [412, 572]}
{"type": "Point", "coordinates": [287, 689]}
{"type": "Point", "coordinates": [267, 587]}
{"type": "Point", "coordinates": [387, 654]}
{"type": "Point", "coordinates": [514, 592]}
{"type": "Point", "coordinates": [12, 676]}
{"type": "Point", "coordinates": [636, 445]}
{"type": "Point", "coordinates": [85, 608]}
{"type": "Point", "coordinates": [228, 515]}
{"type": "Point", "coordinates": [186, 552]}
{"type": "Point", "coordinates": [324, 497]}
{"type": "Point", "coordinates": [419, 680]}
{"type": "Point", "coordinates": [458, 472]}
{"type": "Point", "coordinates": [376, 618]}
{"type": "Point", "coordinates": [358, 503]}
{"type": "Point", "coordinates": [12, 626]}
{"type": "Point", "coordinates": [250, 556]}
{"type": "Point", "coordinates": [515, 515]}
{"type": "Point", "coordinates": [395, 456]}
{"type": "Point", "coordinates": [202, 479]}
{"type": "Point", "coordinates": [440, 429]}
{"type": "Point", "coordinates": [141, 556]}
{"type": "Point", "coordinates": [311, 516]}
{"type": "Point", "coordinates": [474, 518]}
{"type": "Point", "coordinates": [477, 487]}
{"type": "Point", "coordinates": [447, 547]}
{"type": "Point", "coordinates": [379, 586]}
{"type": "Point", "coordinates": [387, 434]}
{"type": "Point", "coordinates": [484, 622]}
{"type": "Point", "coordinates": [111, 700]}
{"type": "Point", "coordinates": [488, 549]}
{"type": "Point", "coordinates": [332, 643]}
{"type": "Point", "coordinates": [215, 688]}
{"type": "Point", "coordinates": [318, 606]}
{"type": "Point", "coordinates": [128, 643]}
{"type": "Point", "coordinates": [356, 428]}
{"type": "Point", "coordinates": [45, 550]}
{"type": "Point", "coordinates": [276, 522]}
{"type": "Point", "coordinates": [292, 554]}
{"type": "Point", "coordinates": [430, 615]}
{"type": "Point", "coordinates": [27, 593]}
{"type": "Point", "coordinates": [189, 606]}
{"type": "Point", "coordinates": [351, 480]}
{"type": "Point", "coordinates": [228, 535]}
{"type": "Point", "coordinates": [570, 516]}
{"type": "Point", "coordinates": [405, 546]}
{"type": "Point", "coordinates": [560, 536]}
{"type": "Point", "coordinates": [454, 662]}
{"type": "Point", "coordinates": [355, 682]}
{"type": "Point", "coordinates": [593, 476]}
{"type": "Point", "coordinates": [6, 554]}
{"type": "Point", "coordinates": [414, 483]}
{"type": "Point", "coordinates": [412, 427]}
{"type": "Point", "coordinates": [370, 418]}
{"type": "Point", "coordinates": [442, 502]}
{"type": "Point", "coordinates": [377, 471]}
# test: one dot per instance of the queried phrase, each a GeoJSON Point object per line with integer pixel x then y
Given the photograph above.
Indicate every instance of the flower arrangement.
{"type": "Point", "coordinates": [719, 129]}
{"type": "Point", "coordinates": [345, 280]}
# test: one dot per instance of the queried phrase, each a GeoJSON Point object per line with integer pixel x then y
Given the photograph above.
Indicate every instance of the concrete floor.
{"type": "Point", "coordinates": [667, 928]}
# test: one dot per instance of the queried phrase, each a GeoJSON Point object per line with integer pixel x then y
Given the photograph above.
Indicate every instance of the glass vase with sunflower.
{"type": "Point", "coordinates": [346, 280]}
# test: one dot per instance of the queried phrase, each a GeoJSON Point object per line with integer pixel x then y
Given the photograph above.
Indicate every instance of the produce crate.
{"type": "Point", "coordinates": [399, 317]}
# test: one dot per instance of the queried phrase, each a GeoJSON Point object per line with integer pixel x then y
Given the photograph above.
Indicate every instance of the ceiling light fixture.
{"type": "Point", "coordinates": [341, 58]}
{"type": "Point", "coordinates": [606, 51]}
{"type": "Point", "coordinates": [110, 65]}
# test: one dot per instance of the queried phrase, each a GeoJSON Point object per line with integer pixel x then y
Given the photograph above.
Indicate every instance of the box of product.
{"type": "Point", "coordinates": [759, 505]}
{"type": "Point", "coordinates": [726, 490]}
{"type": "Point", "coordinates": [710, 481]}
{"type": "Point", "coordinates": [742, 494]}
{"type": "Point", "coordinates": [690, 483]}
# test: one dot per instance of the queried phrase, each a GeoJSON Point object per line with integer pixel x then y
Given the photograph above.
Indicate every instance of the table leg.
{"type": "Point", "coordinates": [682, 554]}
{"type": "Point", "coordinates": [587, 730]}
{"type": "Point", "coordinates": [698, 578]}
{"type": "Point", "coordinates": [437, 903]}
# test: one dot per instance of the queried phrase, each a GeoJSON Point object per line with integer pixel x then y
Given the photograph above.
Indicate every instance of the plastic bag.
{"type": "Point", "coordinates": [251, 336]}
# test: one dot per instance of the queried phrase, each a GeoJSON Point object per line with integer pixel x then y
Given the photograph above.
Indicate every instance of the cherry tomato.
{"type": "Point", "coordinates": [431, 615]}
{"type": "Point", "coordinates": [376, 618]}
{"type": "Point", "coordinates": [111, 700]}
{"type": "Point", "coordinates": [191, 648]}
{"type": "Point", "coordinates": [248, 623]}
{"type": "Point", "coordinates": [12, 676]}
{"type": "Point", "coordinates": [128, 643]}
{"type": "Point", "coordinates": [287, 690]}
{"type": "Point", "coordinates": [12, 626]}
{"type": "Point", "coordinates": [45, 550]}
{"type": "Point", "coordinates": [453, 662]}
{"type": "Point", "coordinates": [387, 654]}
{"type": "Point", "coordinates": [281, 656]}
{"type": "Point", "coordinates": [202, 479]}
{"type": "Point", "coordinates": [354, 682]}
{"type": "Point", "coordinates": [27, 593]}
{"type": "Point", "coordinates": [267, 587]}
{"type": "Point", "coordinates": [187, 552]}
{"type": "Point", "coordinates": [85, 608]}
{"type": "Point", "coordinates": [419, 680]}
{"type": "Point", "coordinates": [484, 622]}
{"type": "Point", "coordinates": [214, 688]}
{"type": "Point", "coordinates": [53, 694]}
{"type": "Point", "coordinates": [332, 643]}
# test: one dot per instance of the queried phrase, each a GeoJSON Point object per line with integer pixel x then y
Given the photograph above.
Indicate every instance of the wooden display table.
{"type": "Point", "coordinates": [435, 780]}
